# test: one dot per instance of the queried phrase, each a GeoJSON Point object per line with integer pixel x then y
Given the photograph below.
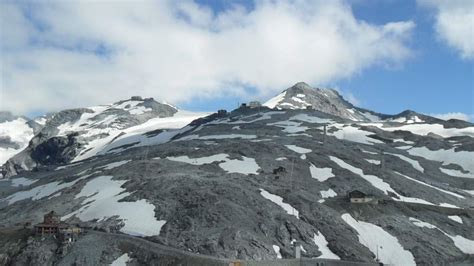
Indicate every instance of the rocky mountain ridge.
{"type": "Point", "coordinates": [77, 134]}
{"type": "Point", "coordinates": [254, 182]}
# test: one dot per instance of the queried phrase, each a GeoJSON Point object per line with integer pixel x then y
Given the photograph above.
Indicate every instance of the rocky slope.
{"type": "Point", "coordinates": [255, 182]}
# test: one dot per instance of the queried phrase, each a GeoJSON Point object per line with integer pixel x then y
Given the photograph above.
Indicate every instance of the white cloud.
{"type": "Point", "coordinates": [454, 24]}
{"type": "Point", "coordinates": [53, 52]}
{"type": "Point", "coordinates": [460, 116]}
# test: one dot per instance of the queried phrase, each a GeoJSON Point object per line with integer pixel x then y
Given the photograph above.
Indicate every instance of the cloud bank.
{"type": "Point", "coordinates": [454, 24]}
{"type": "Point", "coordinates": [73, 53]}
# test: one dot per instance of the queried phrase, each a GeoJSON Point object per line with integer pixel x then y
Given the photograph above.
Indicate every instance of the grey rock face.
{"type": "Point", "coordinates": [56, 150]}
{"type": "Point", "coordinates": [214, 210]}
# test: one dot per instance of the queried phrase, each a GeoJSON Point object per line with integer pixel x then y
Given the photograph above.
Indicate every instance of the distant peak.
{"type": "Point", "coordinates": [301, 85]}
{"type": "Point", "coordinates": [303, 96]}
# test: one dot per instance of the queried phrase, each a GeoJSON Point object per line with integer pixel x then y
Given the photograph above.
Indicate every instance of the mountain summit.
{"type": "Point", "coordinates": [303, 96]}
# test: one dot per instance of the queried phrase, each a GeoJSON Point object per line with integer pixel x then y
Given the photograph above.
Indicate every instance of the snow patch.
{"type": "Point", "coordinates": [377, 182]}
{"type": "Point", "coordinates": [328, 193]}
{"type": "Point", "coordinates": [378, 241]}
{"type": "Point", "coordinates": [213, 137]}
{"type": "Point", "coordinates": [456, 173]}
{"type": "Point", "coordinates": [462, 243]}
{"type": "Point", "coordinates": [273, 102]}
{"type": "Point", "coordinates": [245, 166]}
{"type": "Point", "coordinates": [277, 251]}
{"type": "Point", "coordinates": [461, 158]}
{"type": "Point", "coordinates": [321, 174]}
{"type": "Point", "coordinates": [22, 182]}
{"type": "Point", "coordinates": [289, 126]}
{"type": "Point", "coordinates": [455, 218]}
{"type": "Point", "coordinates": [311, 119]}
{"type": "Point", "coordinates": [102, 201]}
{"type": "Point", "coordinates": [353, 134]}
{"type": "Point", "coordinates": [414, 163]}
{"type": "Point", "coordinates": [41, 191]}
{"type": "Point", "coordinates": [428, 185]}
{"type": "Point", "coordinates": [376, 162]}
{"type": "Point", "coordinates": [322, 244]}
{"type": "Point", "coordinates": [425, 129]}
{"type": "Point", "coordinates": [113, 165]}
{"type": "Point", "coordinates": [298, 149]}
{"type": "Point", "coordinates": [279, 201]}
{"type": "Point", "coordinates": [121, 261]}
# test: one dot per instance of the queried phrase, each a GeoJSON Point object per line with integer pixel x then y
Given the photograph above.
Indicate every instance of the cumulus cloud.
{"type": "Point", "coordinates": [460, 116]}
{"type": "Point", "coordinates": [454, 24]}
{"type": "Point", "coordinates": [73, 53]}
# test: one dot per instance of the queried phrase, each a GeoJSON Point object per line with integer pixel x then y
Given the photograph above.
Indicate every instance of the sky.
{"type": "Point", "coordinates": [204, 55]}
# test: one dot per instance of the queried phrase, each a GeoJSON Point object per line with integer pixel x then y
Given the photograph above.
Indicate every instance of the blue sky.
{"type": "Point", "coordinates": [435, 81]}
{"type": "Point", "coordinates": [203, 55]}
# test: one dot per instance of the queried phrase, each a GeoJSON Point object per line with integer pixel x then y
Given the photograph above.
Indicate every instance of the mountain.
{"type": "Point", "coordinates": [303, 96]}
{"type": "Point", "coordinates": [254, 183]}
{"type": "Point", "coordinates": [77, 134]}
{"type": "Point", "coordinates": [15, 133]}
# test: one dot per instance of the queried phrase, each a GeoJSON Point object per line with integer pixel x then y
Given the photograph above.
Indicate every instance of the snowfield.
{"type": "Point", "coordinates": [378, 241]}
{"type": "Point", "coordinates": [102, 197]}
{"type": "Point", "coordinates": [354, 134]}
{"type": "Point", "coordinates": [41, 191]}
{"type": "Point", "coordinates": [425, 129]}
{"type": "Point", "coordinates": [19, 132]}
{"type": "Point", "coordinates": [245, 166]}
{"type": "Point", "coordinates": [461, 158]}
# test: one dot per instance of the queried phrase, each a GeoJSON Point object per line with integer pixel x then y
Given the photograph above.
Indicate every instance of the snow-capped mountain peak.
{"type": "Point", "coordinates": [303, 96]}
{"type": "Point", "coordinates": [77, 134]}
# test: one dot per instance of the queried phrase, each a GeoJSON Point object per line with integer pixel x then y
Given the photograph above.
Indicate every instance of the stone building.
{"type": "Point", "coordinates": [357, 196]}
{"type": "Point", "coordinates": [52, 225]}
{"type": "Point", "coordinates": [254, 104]}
